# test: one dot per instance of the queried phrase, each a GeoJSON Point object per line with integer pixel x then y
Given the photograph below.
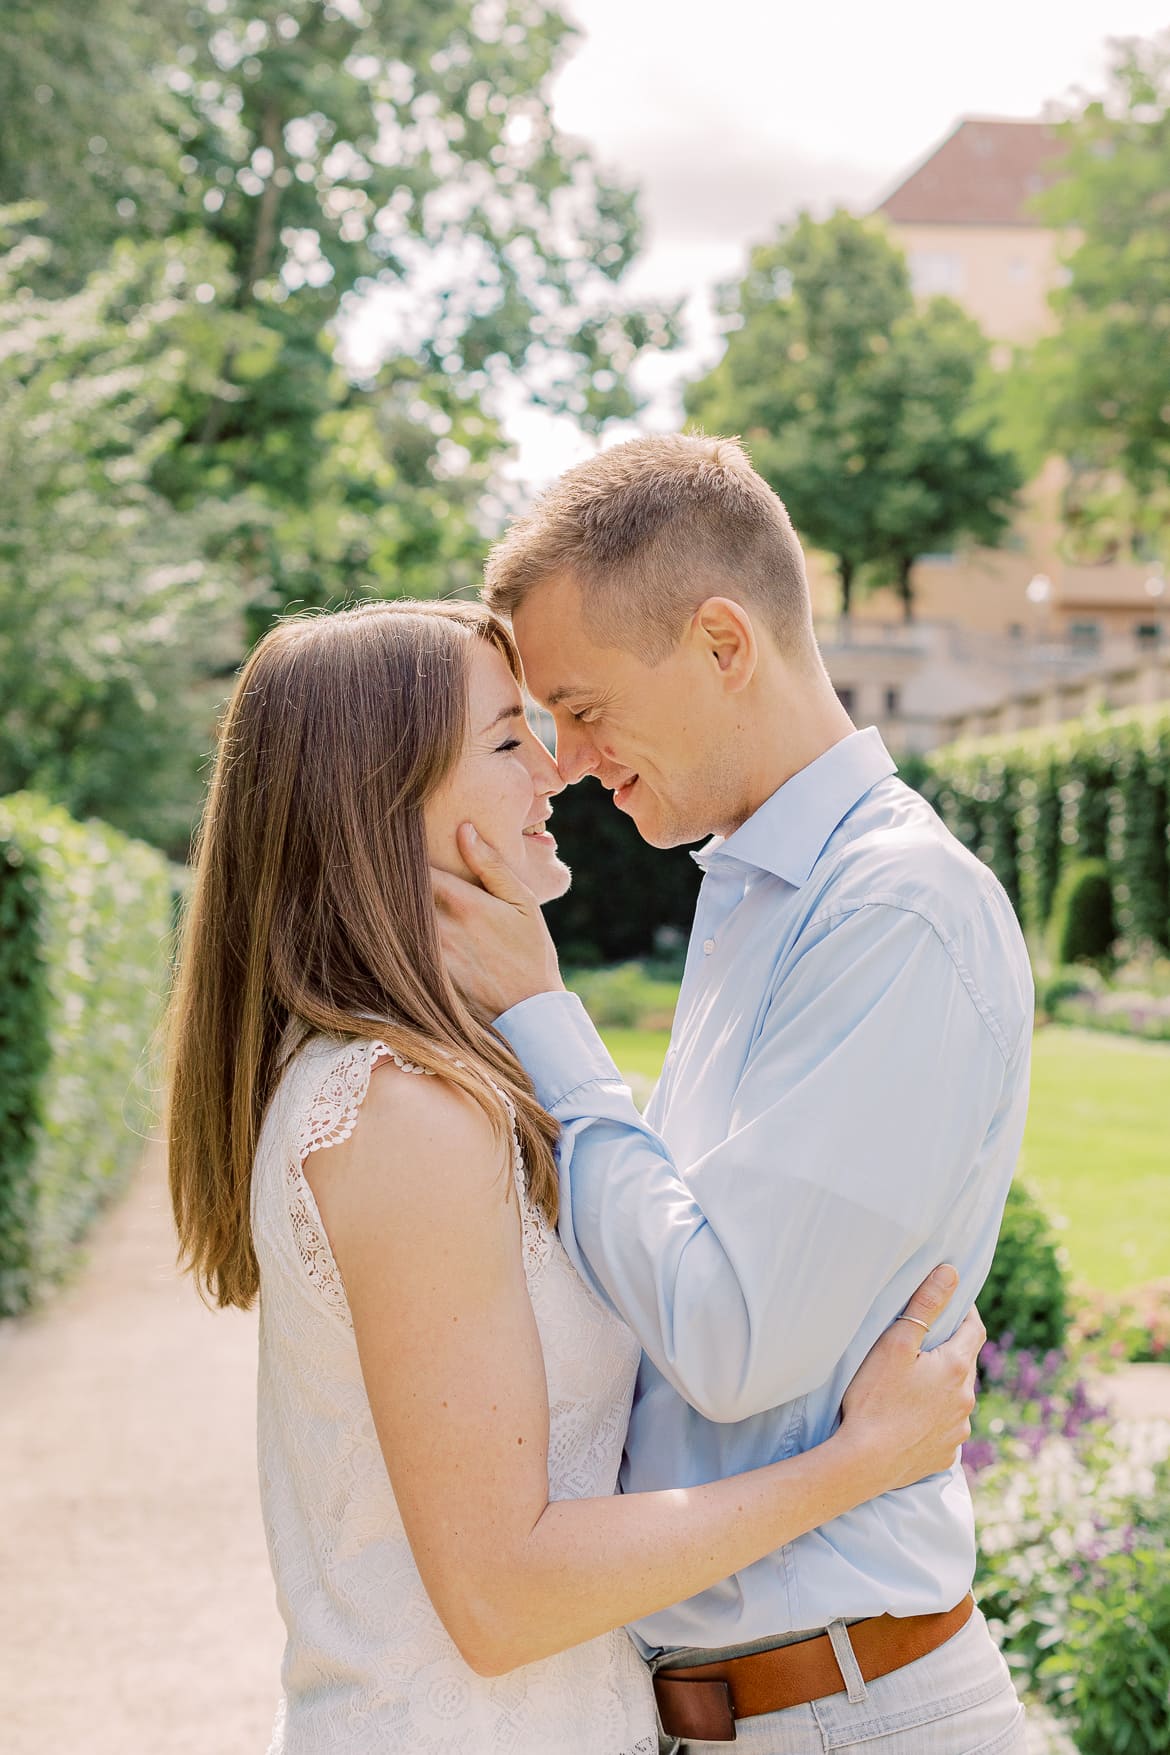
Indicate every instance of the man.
{"type": "Point", "coordinates": [841, 1106]}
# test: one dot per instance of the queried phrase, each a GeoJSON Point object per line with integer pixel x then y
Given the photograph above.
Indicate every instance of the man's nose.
{"type": "Point", "coordinates": [575, 755]}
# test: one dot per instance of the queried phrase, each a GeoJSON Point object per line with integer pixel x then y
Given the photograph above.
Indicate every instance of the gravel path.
{"type": "Point", "coordinates": [136, 1606]}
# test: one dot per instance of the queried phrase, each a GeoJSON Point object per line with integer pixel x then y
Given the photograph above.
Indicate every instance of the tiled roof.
{"type": "Point", "coordinates": [984, 173]}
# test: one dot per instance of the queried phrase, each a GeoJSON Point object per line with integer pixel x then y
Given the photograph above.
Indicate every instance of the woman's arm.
{"type": "Point", "coordinates": [423, 1221]}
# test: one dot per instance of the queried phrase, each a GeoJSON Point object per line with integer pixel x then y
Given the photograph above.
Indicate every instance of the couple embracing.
{"type": "Point", "coordinates": [491, 1292]}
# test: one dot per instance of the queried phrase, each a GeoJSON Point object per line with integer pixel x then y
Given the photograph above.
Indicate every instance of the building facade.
{"type": "Point", "coordinates": [992, 623]}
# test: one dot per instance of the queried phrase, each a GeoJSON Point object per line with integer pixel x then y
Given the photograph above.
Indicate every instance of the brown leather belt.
{"type": "Point", "coordinates": [703, 1703]}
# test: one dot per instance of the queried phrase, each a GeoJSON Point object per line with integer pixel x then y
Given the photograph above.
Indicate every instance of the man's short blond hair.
{"type": "Point", "coordinates": [647, 531]}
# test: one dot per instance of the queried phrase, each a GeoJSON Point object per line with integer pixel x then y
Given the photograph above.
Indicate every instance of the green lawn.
{"type": "Point", "coordinates": [1097, 1149]}
{"type": "Point", "coordinates": [639, 1053]}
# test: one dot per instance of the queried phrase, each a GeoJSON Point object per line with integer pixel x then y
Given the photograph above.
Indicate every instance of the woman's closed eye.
{"type": "Point", "coordinates": [510, 743]}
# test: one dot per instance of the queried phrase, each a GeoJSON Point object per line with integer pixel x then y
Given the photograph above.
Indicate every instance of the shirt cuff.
{"type": "Point", "coordinates": [555, 1039]}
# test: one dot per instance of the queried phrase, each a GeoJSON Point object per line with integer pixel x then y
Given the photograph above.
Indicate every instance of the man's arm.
{"type": "Point", "coordinates": [862, 1110]}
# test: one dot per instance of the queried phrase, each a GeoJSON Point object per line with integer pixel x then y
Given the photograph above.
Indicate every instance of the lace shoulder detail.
{"type": "Point", "coordinates": [328, 1118]}
{"type": "Point", "coordinates": [331, 1114]}
{"type": "Point", "coordinates": [336, 1094]}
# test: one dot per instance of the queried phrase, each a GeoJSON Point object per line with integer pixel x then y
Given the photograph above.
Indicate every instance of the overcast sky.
{"type": "Point", "coordinates": [731, 115]}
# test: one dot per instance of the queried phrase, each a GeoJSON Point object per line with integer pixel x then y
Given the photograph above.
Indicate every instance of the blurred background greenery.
{"type": "Point", "coordinates": [196, 196]}
{"type": "Point", "coordinates": [191, 195]}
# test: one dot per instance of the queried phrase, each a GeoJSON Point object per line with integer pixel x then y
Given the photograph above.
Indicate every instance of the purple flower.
{"type": "Point", "coordinates": [1028, 1376]}
{"type": "Point", "coordinates": [979, 1454]}
{"type": "Point", "coordinates": [992, 1360]}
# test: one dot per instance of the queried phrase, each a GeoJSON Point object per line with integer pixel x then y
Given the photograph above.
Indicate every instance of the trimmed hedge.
{"type": "Point", "coordinates": [1033, 804]}
{"type": "Point", "coordinates": [1082, 928]}
{"type": "Point", "coordinates": [85, 923]}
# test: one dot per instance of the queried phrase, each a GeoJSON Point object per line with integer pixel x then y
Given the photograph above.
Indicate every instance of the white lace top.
{"type": "Point", "coordinates": [368, 1667]}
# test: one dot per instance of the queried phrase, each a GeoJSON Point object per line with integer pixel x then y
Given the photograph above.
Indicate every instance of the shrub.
{"type": "Point", "coordinates": [1083, 929]}
{"type": "Point", "coordinates": [1114, 1660]}
{"type": "Point", "coordinates": [1064, 984]}
{"type": "Point", "coordinates": [627, 997]}
{"type": "Point", "coordinates": [24, 1055]}
{"type": "Point", "coordinates": [1025, 1297]}
{"type": "Point", "coordinates": [84, 938]}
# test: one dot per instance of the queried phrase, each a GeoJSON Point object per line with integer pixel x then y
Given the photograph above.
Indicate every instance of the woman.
{"type": "Point", "coordinates": [442, 1402]}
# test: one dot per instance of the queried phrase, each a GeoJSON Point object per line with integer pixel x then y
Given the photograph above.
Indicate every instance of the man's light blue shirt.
{"type": "Point", "coordinates": [840, 1110]}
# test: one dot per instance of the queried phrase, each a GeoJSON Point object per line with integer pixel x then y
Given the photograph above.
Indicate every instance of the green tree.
{"type": "Point", "coordinates": [117, 612]}
{"type": "Point", "coordinates": [863, 410]}
{"type": "Point", "coordinates": [86, 130]}
{"type": "Point", "coordinates": [946, 474]}
{"type": "Point", "coordinates": [399, 148]}
{"type": "Point", "coordinates": [213, 193]}
{"type": "Point", "coordinates": [1097, 391]}
{"type": "Point", "coordinates": [403, 153]}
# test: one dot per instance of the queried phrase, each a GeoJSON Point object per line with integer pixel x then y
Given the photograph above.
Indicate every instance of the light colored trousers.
{"type": "Point", "coordinates": [958, 1700]}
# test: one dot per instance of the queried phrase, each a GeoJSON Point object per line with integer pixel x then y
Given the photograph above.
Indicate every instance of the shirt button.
{"type": "Point", "coordinates": [708, 946]}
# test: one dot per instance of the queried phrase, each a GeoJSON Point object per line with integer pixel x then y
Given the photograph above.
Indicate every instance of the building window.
{"type": "Point", "coordinates": [845, 696]}
{"type": "Point", "coordinates": [1148, 633]}
{"type": "Point", "coordinates": [893, 703]}
{"type": "Point", "coordinates": [1019, 268]}
{"type": "Point", "coordinates": [935, 271]}
{"type": "Point", "coordinates": [1084, 636]}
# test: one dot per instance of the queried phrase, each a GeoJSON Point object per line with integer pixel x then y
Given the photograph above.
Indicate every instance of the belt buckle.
{"type": "Point", "coordinates": [699, 1711]}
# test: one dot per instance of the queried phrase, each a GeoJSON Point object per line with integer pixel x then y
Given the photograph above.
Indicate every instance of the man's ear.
{"type": "Point", "coordinates": [726, 633]}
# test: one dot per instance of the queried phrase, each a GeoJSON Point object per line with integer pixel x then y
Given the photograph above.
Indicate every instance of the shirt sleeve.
{"type": "Point", "coordinates": [861, 1111]}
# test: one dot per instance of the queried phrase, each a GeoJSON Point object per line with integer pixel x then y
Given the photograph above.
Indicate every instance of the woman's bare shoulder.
{"type": "Point", "coordinates": [418, 1140]}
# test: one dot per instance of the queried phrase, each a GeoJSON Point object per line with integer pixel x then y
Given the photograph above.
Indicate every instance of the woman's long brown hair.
{"type": "Point", "coordinates": [312, 903]}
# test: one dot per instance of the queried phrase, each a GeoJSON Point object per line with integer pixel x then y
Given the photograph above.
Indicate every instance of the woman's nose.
{"type": "Point", "coordinates": [549, 779]}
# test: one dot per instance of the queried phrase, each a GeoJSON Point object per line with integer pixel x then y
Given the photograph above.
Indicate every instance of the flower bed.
{"type": "Point", "coordinates": [1073, 1512]}
{"type": "Point", "coordinates": [1130, 1327]}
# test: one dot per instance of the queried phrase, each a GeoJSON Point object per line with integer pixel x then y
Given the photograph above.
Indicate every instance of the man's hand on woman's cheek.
{"type": "Point", "coordinates": [497, 946]}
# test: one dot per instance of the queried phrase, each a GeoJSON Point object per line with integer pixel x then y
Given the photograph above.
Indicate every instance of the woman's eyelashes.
{"type": "Point", "coordinates": [510, 743]}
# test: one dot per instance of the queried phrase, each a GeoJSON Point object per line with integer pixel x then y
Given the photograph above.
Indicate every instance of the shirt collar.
{"type": "Point", "coordinates": [787, 835]}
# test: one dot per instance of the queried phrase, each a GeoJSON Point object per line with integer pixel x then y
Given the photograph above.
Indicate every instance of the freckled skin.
{"type": "Point", "coordinates": [504, 782]}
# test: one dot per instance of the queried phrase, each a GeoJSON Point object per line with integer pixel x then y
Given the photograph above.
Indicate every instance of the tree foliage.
{"type": "Point", "coordinates": [1097, 390]}
{"type": "Point", "coordinates": [85, 131]}
{"type": "Point", "coordinates": [866, 412]}
{"type": "Point", "coordinates": [291, 260]}
{"type": "Point", "coordinates": [403, 154]}
{"type": "Point", "coordinates": [116, 609]}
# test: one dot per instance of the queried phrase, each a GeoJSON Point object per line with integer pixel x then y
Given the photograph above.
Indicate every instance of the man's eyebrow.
{"type": "Point", "coordinates": [513, 712]}
{"type": "Point", "coordinates": [562, 694]}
